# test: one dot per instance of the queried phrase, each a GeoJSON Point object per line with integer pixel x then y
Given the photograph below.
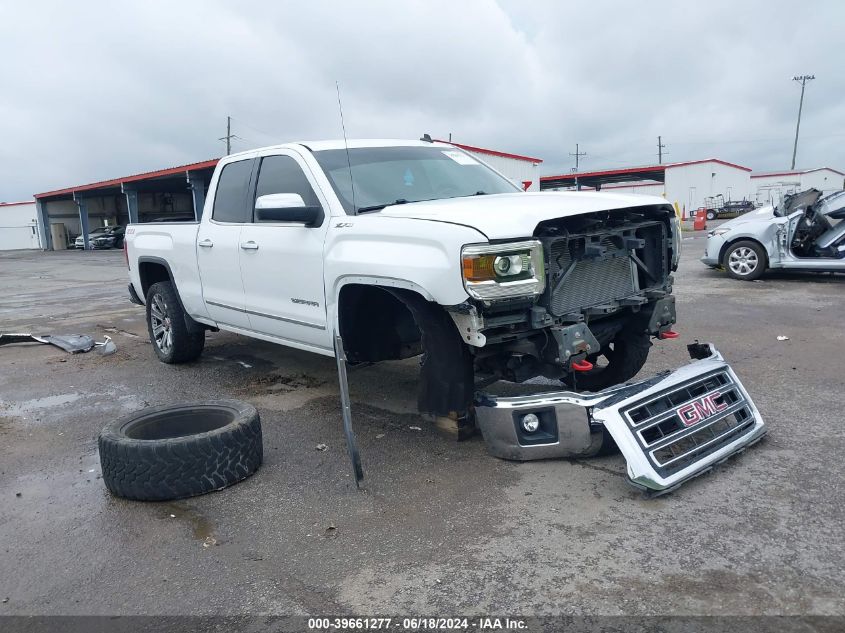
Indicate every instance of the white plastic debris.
{"type": "Point", "coordinates": [415, 428]}
{"type": "Point", "coordinates": [322, 447]}
{"type": "Point", "coordinates": [783, 338]}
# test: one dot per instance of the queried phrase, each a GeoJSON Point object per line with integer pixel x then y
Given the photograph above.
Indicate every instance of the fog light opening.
{"type": "Point", "coordinates": [530, 423]}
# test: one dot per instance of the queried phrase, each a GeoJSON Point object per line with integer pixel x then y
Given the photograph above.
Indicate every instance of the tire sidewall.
{"type": "Point", "coordinates": [761, 260]}
{"type": "Point", "coordinates": [188, 336]}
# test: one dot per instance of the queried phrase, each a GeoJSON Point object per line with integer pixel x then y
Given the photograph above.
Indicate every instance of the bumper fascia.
{"type": "Point", "coordinates": [580, 418]}
{"type": "Point", "coordinates": [712, 251]}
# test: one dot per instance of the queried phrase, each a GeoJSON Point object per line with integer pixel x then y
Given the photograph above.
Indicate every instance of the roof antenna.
{"type": "Point", "coordinates": [346, 146]}
{"type": "Point", "coordinates": [426, 138]}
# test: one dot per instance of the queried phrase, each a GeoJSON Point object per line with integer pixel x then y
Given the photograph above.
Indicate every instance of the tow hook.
{"type": "Point", "coordinates": [668, 334]}
{"type": "Point", "coordinates": [581, 365]}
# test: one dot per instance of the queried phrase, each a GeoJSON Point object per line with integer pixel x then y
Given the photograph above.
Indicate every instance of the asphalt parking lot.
{"type": "Point", "coordinates": [441, 527]}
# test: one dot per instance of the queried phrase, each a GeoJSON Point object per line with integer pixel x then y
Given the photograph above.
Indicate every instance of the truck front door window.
{"type": "Point", "coordinates": [282, 174]}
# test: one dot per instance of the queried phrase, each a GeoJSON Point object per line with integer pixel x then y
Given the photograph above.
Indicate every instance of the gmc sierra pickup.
{"type": "Point", "coordinates": [406, 248]}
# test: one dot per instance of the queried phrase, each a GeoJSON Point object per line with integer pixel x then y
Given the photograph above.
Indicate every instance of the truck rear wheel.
{"type": "Point", "coordinates": [621, 359]}
{"type": "Point", "coordinates": [175, 336]}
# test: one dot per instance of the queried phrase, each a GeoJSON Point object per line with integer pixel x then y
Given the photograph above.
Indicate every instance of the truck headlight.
{"type": "Point", "coordinates": [503, 271]}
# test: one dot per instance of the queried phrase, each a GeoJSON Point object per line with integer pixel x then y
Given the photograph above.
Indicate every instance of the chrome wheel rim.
{"type": "Point", "coordinates": [743, 261]}
{"type": "Point", "coordinates": [161, 324]}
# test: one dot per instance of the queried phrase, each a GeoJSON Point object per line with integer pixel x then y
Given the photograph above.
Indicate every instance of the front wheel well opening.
{"type": "Point", "coordinates": [376, 325]}
{"type": "Point", "coordinates": [151, 273]}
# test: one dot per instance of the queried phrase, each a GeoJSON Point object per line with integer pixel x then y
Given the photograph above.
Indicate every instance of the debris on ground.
{"type": "Point", "coordinates": [117, 330]}
{"type": "Point", "coordinates": [18, 494]}
{"type": "Point", "coordinates": [71, 343]}
{"type": "Point", "coordinates": [331, 530]}
{"type": "Point", "coordinates": [379, 436]}
{"type": "Point", "coordinates": [783, 338]}
{"type": "Point", "coordinates": [321, 447]}
{"type": "Point", "coordinates": [107, 347]}
{"type": "Point", "coordinates": [415, 428]}
{"type": "Point", "coordinates": [209, 541]}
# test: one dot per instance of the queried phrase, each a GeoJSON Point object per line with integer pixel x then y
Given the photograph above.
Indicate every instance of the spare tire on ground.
{"type": "Point", "coordinates": [179, 451]}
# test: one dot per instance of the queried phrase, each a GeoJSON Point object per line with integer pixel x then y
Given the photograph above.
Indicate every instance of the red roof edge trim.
{"type": "Point", "coordinates": [797, 172]}
{"type": "Point", "coordinates": [133, 178]}
{"type": "Point", "coordinates": [710, 160]}
{"type": "Point", "coordinates": [608, 172]}
{"type": "Point", "coordinates": [15, 204]}
{"type": "Point", "coordinates": [491, 152]}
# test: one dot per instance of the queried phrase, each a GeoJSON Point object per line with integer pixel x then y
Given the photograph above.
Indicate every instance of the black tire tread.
{"type": "Point", "coordinates": [159, 470]}
{"type": "Point", "coordinates": [188, 335]}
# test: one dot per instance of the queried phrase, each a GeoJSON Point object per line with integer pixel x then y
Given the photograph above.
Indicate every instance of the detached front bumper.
{"type": "Point", "coordinates": [670, 428]}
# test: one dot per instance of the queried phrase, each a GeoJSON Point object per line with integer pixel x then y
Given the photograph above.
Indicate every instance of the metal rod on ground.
{"type": "Point", "coordinates": [346, 405]}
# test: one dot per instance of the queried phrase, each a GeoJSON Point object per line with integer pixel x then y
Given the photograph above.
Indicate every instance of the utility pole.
{"type": "Point", "coordinates": [803, 79]}
{"type": "Point", "coordinates": [229, 136]}
{"type": "Point", "coordinates": [577, 155]}
{"type": "Point", "coordinates": [660, 147]}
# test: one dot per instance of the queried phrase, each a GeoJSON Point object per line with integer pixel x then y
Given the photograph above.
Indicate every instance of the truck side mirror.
{"type": "Point", "coordinates": [287, 207]}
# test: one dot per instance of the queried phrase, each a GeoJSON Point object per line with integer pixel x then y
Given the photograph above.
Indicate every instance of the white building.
{"type": "Point", "coordinates": [523, 171]}
{"type": "Point", "coordinates": [19, 226]}
{"type": "Point", "coordinates": [689, 184]}
{"type": "Point", "coordinates": [771, 187]}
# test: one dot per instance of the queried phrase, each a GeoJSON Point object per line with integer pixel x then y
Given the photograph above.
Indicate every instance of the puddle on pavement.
{"type": "Point", "coordinates": [201, 528]}
{"type": "Point", "coordinates": [19, 409]}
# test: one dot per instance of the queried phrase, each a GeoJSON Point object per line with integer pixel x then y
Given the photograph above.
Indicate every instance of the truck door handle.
{"type": "Point", "coordinates": [206, 243]}
{"type": "Point", "coordinates": [249, 246]}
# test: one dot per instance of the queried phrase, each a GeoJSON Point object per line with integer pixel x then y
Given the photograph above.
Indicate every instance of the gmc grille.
{"type": "Point", "coordinates": [672, 442]}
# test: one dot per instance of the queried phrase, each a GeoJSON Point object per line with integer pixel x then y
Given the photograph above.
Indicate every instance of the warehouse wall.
{"type": "Point", "coordinates": [513, 169]}
{"type": "Point", "coordinates": [689, 185]}
{"type": "Point", "coordinates": [18, 227]}
{"type": "Point", "coordinates": [772, 189]}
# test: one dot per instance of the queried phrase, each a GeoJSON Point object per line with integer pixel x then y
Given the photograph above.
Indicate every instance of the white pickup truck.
{"type": "Point", "coordinates": [405, 248]}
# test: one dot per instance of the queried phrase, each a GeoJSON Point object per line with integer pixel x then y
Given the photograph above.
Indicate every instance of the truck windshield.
{"type": "Point", "coordinates": [397, 175]}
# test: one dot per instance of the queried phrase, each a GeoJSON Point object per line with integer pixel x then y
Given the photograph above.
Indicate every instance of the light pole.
{"type": "Point", "coordinates": [803, 79]}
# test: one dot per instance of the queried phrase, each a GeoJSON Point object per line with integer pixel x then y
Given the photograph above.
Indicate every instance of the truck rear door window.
{"type": "Point", "coordinates": [230, 197]}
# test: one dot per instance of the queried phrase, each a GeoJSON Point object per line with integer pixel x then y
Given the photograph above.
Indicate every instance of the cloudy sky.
{"type": "Point", "coordinates": [92, 90]}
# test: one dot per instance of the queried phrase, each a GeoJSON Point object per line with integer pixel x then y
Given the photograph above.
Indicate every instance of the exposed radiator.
{"type": "Point", "coordinates": [593, 281]}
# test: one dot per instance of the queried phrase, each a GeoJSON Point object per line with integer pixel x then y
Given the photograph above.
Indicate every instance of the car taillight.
{"type": "Point", "coordinates": [125, 253]}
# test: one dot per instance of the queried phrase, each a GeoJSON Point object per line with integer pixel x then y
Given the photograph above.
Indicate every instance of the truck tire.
{"type": "Point", "coordinates": [173, 452]}
{"type": "Point", "coordinates": [745, 260]}
{"type": "Point", "coordinates": [625, 359]}
{"type": "Point", "coordinates": [175, 336]}
{"type": "Point", "coordinates": [711, 215]}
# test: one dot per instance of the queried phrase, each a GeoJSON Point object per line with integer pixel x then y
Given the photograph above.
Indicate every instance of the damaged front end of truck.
{"type": "Point", "coordinates": [670, 428]}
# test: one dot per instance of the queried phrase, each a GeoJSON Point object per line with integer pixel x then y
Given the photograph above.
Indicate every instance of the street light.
{"type": "Point", "coordinates": [803, 79]}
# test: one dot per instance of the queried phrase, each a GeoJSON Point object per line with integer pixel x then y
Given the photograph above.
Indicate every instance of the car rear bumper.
{"type": "Point", "coordinates": [670, 428]}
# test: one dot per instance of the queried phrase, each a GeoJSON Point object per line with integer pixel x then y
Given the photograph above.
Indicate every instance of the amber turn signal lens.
{"type": "Point", "coordinates": [479, 268]}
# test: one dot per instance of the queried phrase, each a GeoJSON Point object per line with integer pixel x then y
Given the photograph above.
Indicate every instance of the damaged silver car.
{"type": "Point", "coordinates": [806, 231]}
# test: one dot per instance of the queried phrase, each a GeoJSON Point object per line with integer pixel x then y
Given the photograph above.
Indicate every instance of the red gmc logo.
{"type": "Point", "coordinates": [701, 409]}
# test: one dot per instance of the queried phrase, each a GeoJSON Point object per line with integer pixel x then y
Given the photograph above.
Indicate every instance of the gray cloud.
{"type": "Point", "coordinates": [97, 89]}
